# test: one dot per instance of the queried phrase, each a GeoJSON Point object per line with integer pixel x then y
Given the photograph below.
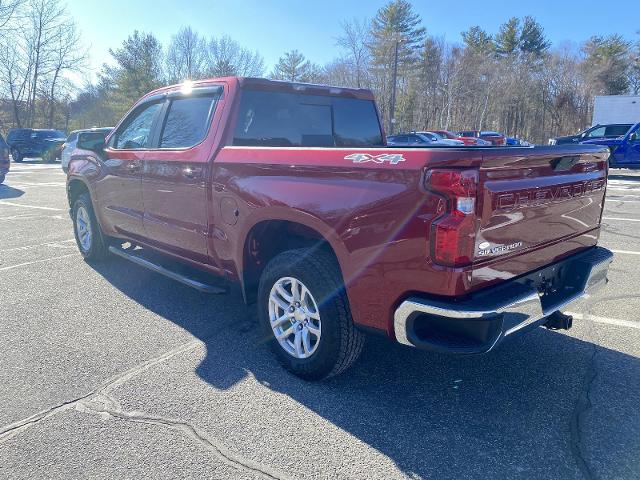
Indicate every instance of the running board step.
{"type": "Point", "coordinates": [178, 277]}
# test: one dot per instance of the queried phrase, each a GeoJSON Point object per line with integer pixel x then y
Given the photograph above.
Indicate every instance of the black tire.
{"type": "Point", "coordinates": [97, 246]}
{"type": "Point", "coordinates": [340, 343]}
{"type": "Point", "coordinates": [48, 157]}
{"type": "Point", "coordinates": [2, 177]}
{"type": "Point", "coordinates": [16, 155]}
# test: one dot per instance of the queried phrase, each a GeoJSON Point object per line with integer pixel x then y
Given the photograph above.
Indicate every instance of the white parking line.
{"type": "Point", "coordinates": [4, 202]}
{"type": "Point", "coordinates": [33, 169]}
{"type": "Point", "coordinates": [43, 184]}
{"type": "Point", "coordinates": [622, 219]}
{"type": "Point", "coordinates": [607, 320]}
{"type": "Point", "coordinates": [47, 244]}
{"type": "Point", "coordinates": [11, 267]}
{"type": "Point", "coordinates": [31, 216]}
{"type": "Point", "coordinates": [625, 252]}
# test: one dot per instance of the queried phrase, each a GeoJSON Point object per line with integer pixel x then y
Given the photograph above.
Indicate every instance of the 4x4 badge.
{"type": "Point", "coordinates": [392, 158]}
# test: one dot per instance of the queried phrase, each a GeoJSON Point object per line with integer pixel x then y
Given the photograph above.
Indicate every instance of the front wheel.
{"type": "Point", "coordinates": [304, 311]}
{"type": "Point", "coordinates": [2, 177]}
{"type": "Point", "coordinates": [87, 231]}
{"type": "Point", "coordinates": [16, 155]}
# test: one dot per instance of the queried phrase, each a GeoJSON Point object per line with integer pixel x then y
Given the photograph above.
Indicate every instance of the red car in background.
{"type": "Point", "coordinates": [494, 137]}
{"type": "Point", "coordinates": [467, 140]}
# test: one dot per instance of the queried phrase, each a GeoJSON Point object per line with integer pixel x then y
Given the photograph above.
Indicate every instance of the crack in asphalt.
{"type": "Point", "coordinates": [106, 405]}
{"type": "Point", "coordinates": [583, 405]}
{"type": "Point", "coordinates": [99, 402]}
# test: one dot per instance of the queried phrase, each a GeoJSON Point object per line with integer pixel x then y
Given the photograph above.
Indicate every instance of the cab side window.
{"type": "Point", "coordinates": [596, 132]}
{"type": "Point", "coordinates": [187, 122]}
{"type": "Point", "coordinates": [135, 133]}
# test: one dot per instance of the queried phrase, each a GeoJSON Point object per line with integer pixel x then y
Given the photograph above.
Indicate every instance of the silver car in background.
{"type": "Point", "coordinates": [70, 144]}
{"type": "Point", "coordinates": [420, 139]}
{"type": "Point", "coordinates": [438, 139]}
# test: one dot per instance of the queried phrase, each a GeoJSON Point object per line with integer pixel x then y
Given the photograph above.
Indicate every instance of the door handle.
{"type": "Point", "coordinates": [189, 172]}
{"type": "Point", "coordinates": [134, 166]}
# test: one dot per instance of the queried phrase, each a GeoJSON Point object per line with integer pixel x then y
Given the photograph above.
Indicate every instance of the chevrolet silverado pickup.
{"type": "Point", "coordinates": [290, 190]}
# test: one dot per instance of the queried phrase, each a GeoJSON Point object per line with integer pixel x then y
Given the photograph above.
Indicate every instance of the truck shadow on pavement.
{"type": "Point", "coordinates": [545, 405]}
{"type": "Point", "coordinates": [7, 192]}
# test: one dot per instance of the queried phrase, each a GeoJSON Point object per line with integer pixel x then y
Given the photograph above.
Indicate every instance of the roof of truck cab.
{"type": "Point", "coordinates": [273, 85]}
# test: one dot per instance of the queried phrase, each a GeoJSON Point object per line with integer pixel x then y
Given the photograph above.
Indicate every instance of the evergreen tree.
{"type": "Point", "coordinates": [532, 39]}
{"type": "Point", "coordinates": [607, 64]}
{"type": "Point", "coordinates": [138, 69]}
{"type": "Point", "coordinates": [396, 28]}
{"type": "Point", "coordinates": [294, 67]}
{"type": "Point", "coordinates": [478, 41]}
{"type": "Point", "coordinates": [396, 22]}
{"type": "Point", "coordinates": [508, 38]}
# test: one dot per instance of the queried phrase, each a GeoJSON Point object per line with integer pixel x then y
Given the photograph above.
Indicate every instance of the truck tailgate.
{"type": "Point", "coordinates": [531, 199]}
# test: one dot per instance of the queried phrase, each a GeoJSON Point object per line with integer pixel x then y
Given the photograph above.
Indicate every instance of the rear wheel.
{"type": "Point", "coordinates": [89, 237]}
{"type": "Point", "coordinates": [305, 314]}
{"type": "Point", "coordinates": [16, 155]}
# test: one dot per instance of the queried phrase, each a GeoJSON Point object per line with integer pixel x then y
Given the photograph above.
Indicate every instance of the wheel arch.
{"type": "Point", "coordinates": [75, 188]}
{"type": "Point", "coordinates": [268, 237]}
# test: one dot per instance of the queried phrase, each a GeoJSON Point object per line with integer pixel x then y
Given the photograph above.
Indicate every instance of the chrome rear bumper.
{"type": "Point", "coordinates": [477, 324]}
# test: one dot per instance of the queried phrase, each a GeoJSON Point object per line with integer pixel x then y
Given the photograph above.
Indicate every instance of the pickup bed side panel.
{"type": "Point", "coordinates": [374, 215]}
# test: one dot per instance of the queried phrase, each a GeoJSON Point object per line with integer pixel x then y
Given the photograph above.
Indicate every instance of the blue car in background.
{"type": "Point", "coordinates": [625, 149]}
{"type": "Point", "coordinates": [35, 142]}
{"type": "Point", "coordinates": [517, 142]}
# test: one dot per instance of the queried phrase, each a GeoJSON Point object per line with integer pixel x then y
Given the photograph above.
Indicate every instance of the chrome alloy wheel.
{"type": "Point", "coordinates": [294, 317]}
{"type": "Point", "coordinates": [83, 228]}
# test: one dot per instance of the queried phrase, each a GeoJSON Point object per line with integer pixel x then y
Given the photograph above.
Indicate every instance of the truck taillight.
{"type": "Point", "coordinates": [453, 232]}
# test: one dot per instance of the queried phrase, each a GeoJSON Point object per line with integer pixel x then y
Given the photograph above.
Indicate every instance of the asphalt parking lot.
{"type": "Point", "coordinates": [111, 371]}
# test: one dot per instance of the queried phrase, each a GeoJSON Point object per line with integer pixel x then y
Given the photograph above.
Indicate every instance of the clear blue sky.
{"type": "Point", "coordinates": [275, 26]}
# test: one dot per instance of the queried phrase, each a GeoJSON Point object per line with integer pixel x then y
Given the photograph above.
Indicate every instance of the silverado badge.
{"type": "Point", "coordinates": [485, 248]}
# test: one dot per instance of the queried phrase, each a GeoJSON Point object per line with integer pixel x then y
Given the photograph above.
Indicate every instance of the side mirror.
{"type": "Point", "coordinates": [633, 137]}
{"type": "Point", "coordinates": [93, 141]}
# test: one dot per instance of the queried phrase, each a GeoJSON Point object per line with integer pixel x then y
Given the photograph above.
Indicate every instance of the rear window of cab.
{"type": "Point", "coordinates": [282, 119]}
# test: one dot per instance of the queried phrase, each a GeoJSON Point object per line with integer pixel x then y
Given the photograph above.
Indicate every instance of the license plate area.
{"type": "Point", "coordinates": [558, 283]}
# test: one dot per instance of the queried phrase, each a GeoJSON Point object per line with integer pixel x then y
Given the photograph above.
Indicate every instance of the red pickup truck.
{"type": "Point", "coordinates": [290, 190]}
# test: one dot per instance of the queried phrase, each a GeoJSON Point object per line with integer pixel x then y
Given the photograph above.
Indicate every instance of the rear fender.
{"type": "Point", "coordinates": [286, 214]}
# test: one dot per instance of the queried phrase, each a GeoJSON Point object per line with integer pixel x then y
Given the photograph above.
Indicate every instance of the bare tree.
{"type": "Point", "coordinates": [355, 40]}
{"type": "Point", "coordinates": [226, 57]}
{"type": "Point", "coordinates": [42, 49]}
{"type": "Point", "coordinates": [186, 56]}
{"type": "Point", "coordinates": [8, 9]}
{"type": "Point", "coordinates": [13, 79]}
{"type": "Point", "coordinates": [46, 19]}
{"type": "Point", "coordinates": [66, 55]}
